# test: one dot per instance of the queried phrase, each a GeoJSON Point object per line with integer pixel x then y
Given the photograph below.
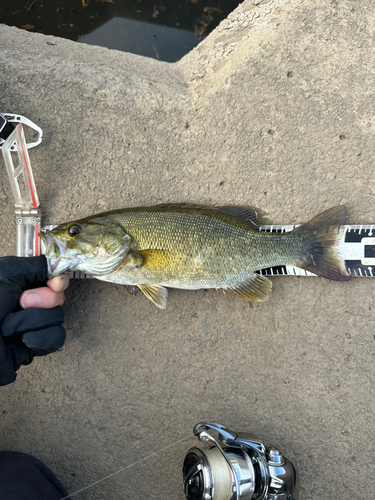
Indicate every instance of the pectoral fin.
{"type": "Point", "coordinates": [157, 294]}
{"type": "Point", "coordinates": [133, 260]}
{"type": "Point", "coordinates": [257, 288]}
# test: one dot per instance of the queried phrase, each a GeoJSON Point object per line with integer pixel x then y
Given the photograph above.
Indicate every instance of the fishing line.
{"type": "Point", "coordinates": [124, 468]}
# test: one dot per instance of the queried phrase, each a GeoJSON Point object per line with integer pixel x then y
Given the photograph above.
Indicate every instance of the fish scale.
{"type": "Point", "coordinates": [204, 249]}
{"type": "Point", "coordinates": [193, 247]}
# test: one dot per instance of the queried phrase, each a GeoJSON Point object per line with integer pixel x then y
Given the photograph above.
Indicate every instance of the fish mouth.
{"type": "Point", "coordinates": [55, 252]}
{"type": "Point", "coordinates": [61, 260]}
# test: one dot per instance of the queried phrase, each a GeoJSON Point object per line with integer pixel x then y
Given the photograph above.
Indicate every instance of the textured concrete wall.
{"type": "Point", "coordinates": [274, 109]}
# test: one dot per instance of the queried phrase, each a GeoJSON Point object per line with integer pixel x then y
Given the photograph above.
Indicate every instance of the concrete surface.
{"type": "Point", "coordinates": [274, 109]}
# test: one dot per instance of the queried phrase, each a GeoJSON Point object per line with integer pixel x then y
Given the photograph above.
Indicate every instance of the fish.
{"type": "Point", "coordinates": [194, 247]}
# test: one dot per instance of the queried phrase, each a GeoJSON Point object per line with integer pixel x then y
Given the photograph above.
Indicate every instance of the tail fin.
{"type": "Point", "coordinates": [322, 235]}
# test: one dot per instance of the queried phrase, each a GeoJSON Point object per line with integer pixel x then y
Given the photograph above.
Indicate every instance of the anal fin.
{"type": "Point", "coordinates": [257, 288]}
{"type": "Point", "coordinates": [156, 293]}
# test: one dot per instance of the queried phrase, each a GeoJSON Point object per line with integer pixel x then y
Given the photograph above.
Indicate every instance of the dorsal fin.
{"type": "Point", "coordinates": [184, 205]}
{"type": "Point", "coordinates": [250, 214]}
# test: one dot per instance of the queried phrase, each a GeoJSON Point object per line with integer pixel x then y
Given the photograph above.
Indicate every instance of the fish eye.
{"type": "Point", "coordinates": [75, 230]}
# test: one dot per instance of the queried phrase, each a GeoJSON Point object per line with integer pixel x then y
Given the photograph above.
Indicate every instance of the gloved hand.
{"type": "Point", "coordinates": [30, 321]}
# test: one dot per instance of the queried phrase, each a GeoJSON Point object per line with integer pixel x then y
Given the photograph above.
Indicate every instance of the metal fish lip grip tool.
{"type": "Point", "coordinates": [236, 467]}
{"type": "Point", "coordinates": [15, 152]}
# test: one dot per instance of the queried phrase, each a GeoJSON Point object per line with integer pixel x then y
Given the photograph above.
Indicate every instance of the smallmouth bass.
{"type": "Point", "coordinates": [192, 247]}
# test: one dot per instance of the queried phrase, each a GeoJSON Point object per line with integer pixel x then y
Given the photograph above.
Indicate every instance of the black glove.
{"type": "Point", "coordinates": [25, 333]}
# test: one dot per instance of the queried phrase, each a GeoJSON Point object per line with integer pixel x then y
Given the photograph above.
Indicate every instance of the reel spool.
{"type": "Point", "coordinates": [236, 467]}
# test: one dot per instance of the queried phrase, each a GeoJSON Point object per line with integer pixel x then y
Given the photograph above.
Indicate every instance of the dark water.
{"type": "Point", "coordinates": [164, 30]}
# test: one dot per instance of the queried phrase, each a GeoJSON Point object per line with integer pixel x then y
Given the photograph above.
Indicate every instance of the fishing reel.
{"type": "Point", "coordinates": [236, 467]}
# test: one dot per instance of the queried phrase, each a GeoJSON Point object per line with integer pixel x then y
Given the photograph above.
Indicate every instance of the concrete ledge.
{"type": "Point", "coordinates": [273, 109]}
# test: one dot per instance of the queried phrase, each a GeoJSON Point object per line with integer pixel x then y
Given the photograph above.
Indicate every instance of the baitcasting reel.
{"type": "Point", "coordinates": [236, 467]}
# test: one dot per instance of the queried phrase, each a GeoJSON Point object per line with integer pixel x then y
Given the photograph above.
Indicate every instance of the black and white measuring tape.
{"type": "Point", "coordinates": [357, 248]}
